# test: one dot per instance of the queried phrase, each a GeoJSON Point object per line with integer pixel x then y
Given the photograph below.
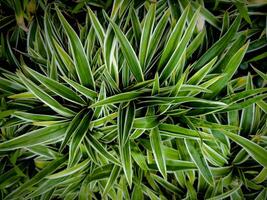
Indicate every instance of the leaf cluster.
{"type": "Point", "coordinates": [133, 100]}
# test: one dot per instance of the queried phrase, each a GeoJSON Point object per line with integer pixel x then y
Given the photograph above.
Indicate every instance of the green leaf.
{"type": "Point", "coordinates": [179, 50]}
{"type": "Point", "coordinates": [243, 10]}
{"type": "Point", "coordinates": [97, 26]}
{"type": "Point", "coordinates": [201, 74]}
{"type": "Point", "coordinates": [78, 136]}
{"type": "Point", "coordinates": [243, 95]}
{"type": "Point", "coordinates": [125, 122]}
{"type": "Point", "coordinates": [209, 17]}
{"type": "Point", "coordinates": [244, 104]}
{"type": "Point", "coordinates": [156, 145]}
{"type": "Point", "coordinates": [46, 186]}
{"type": "Point", "coordinates": [173, 40]}
{"type": "Point", "coordinates": [127, 162]}
{"type": "Point", "coordinates": [109, 50]}
{"type": "Point", "coordinates": [101, 96]}
{"type": "Point", "coordinates": [180, 132]}
{"type": "Point", "coordinates": [45, 135]}
{"type": "Point", "coordinates": [6, 113]}
{"type": "Point", "coordinates": [111, 181]}
{"type": "Point", "coordinates": [80, 60]}
{"type": "Point", "coordinates": [44, 97]}
{"type": "Point", "coordinates": [176, 165]}
{"type": "Point", "coordinates": [196, 42]}
{"type": "Point", "coordinates": [196, 155]}
{"type": "Point", "coordinates": [262, 105]}
{"type": "Point", "coordinates": [67, 61]}
{"type": "Point", "coordinates": [261, 74]}
{"type": "Point", "coordinates": [10, 86]}
{"type": "Point", "coordinates": [226, 194]}
{"type": "Point", "coordinates": [156, 85]}
{"type": "Point", "coordinates": [128, 53]}
{"type": "Point", "coordinates": [126, 119]}
{"type": "Point", "coordinates": [102, 120]}
{"type": "Point", "coordinates": [157, 37]}
{"type": "Point", "coordinates": [225, 23]}
{"type": "Point", "coordinates": [262, 176]}
{"type": "Point", "coordinates": [214, 156]}
{"type": "Point", "coordinates": [262, 195]}
{"type": "Point", "coordinates": [44, 150]}
{"type": "Point", "coordinates": [118, 98]}
{"type": "Point", "coordinates": [71, 128]}
{"type": "Point", "coordinates": [230, 69]}
{"type": "Point", "coordinates": [99, 173]}
{"type": "Point", "coordinates": [193, 101]}
{"type": "Point", "coordinates": [81, 89]}
{"type": "Point", "coordinates": [136, 25]}
{"type": "Point", "coordinates": [138, 157]}
{"type": "Point", "coordinates": [69, 171]}
{"type": "Point", "coordinates": [257, 152]}
{"type": "Point", "coordinates": [166, 184]}
{"type": "Point", "coordinates": [222, 63]}
{"type": "Point", "coordinates": [56, 87]}
{"type": "Point", "coordinates": [248, 113]}
{"type": "Point", "coordinates": [146, 35]}
{"type": "Point", "coordinates": [219, 46]}
{"type": "Point", "coordinates": [101, 150]}
{"type": "Point", "coordinates": [50, 168]}
{"type": "Point", "coordinates": [145, 122]}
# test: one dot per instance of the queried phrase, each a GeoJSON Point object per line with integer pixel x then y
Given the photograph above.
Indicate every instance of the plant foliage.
{"type": "Point", "coordinates": [133, 99]}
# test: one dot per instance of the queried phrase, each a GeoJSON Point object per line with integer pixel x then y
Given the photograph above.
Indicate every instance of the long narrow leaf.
{"type": "Point", "coordinates": [80, 60]}
{"type": "Point", "coordinates": [156, 145]}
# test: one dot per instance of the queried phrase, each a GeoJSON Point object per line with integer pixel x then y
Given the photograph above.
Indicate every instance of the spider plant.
{"type": "Point", "coordinates": [138, 101]}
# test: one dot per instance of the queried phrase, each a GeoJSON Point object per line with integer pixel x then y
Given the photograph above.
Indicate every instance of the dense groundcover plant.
{"type": "Point", "coordinates": [133, 99]}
